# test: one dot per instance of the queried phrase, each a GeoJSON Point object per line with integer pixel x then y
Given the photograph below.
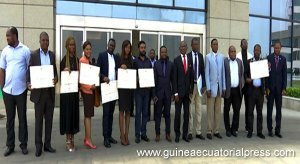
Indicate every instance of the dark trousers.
{"type": "Point", "coordinates": [132, 104]}
{"type": "Point", "coordinates": [163, 106]}
{"type": "Point", "coordinates": [108, 117]}
{"type": "Point", "coordinates": [185, 101]}
{"type": "Point", "coordinates": [11, 102]}
{"type": "Point", "coordinates": [141, 114]}
{"type": "Point", "coordinates": [246, 100]}
{"type": "Point", "coordinates": [43, 109]}
{"type": "Point", "coordinates": [256, 99]}
{"type": "Point", "coordinates": [235, 100]}
{"type": "Point", "coordinates": [274, 95]}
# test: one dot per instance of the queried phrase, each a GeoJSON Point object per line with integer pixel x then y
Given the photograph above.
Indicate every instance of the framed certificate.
{"type": "Point", "coordinates": [259, 69]}
{"type": "Point", "coordinates": [146, 78]}
{"type": "Point", "coordinates": [109, 91]}
{"type": "Point", "coordinates": [69, 82]}
{"type": "Point", "coordinates": [41, 76]}
{"type": "Point", "coordinates": [127, 78]}
{"type": "Point", "coordinates": [89, 74]}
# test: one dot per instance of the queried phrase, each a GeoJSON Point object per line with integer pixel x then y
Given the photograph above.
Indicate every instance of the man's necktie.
{"type": "Point", "coordinates": [184, 63]}
{"type": "Point", "coordinates": [195, 67]}
{"type": "Point", "coordinates": [276, 61]}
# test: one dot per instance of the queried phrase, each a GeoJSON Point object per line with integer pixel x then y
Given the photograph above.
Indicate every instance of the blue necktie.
{"type": "Point", "coordinates": [195, 67]}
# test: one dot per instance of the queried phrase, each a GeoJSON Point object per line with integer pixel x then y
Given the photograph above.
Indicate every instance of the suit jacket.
{"type": "Point", "coordinates": [102, 62]}
{"type": "Point", "coordinates": [248, 75]}
{"type": "Point", "coordinates": [183, 83]}
{"type": "Point", "coordinates": [228, 76]}
{"type": "Point", "coordinates": [201, 68]}
{"type": "Point", "coordinates": [163, 84]}
{"type": "Point", "coordinates": [35, 60]}
{"type": "Point", "coordinates": [277, 77]}
{"type": "Point", "coordinates": [211, 73]}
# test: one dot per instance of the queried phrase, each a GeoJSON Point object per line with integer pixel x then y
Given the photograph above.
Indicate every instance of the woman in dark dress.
{"type": "Point", "coordinates": [69, 102]}
{"type": "Point", "coordinates": [125, 95]}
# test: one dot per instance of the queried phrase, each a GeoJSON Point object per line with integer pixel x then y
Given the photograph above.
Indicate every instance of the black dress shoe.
{"type": "Point", "coordinates": [8, 151]}
{"type": "Point", "coordinates": [49, 149]}
{"type": "Point", "coordinates": [260, 135]}
{"type": "Point", "coordinates": [249, 135]}
{"type": "Point", "coordinates": [177, 139]}
{"type": "Point", "coordinates": [112, 140]}
{"type": "Point", "coordinates": [185, 139]}
{"type": "Point", "coordinates": [190, 137]}
{"type": "Point", "coordinates": [200, 137]}
{"type": "Point", "coordinates": [234, 133]}
{"type": "Point", "coordinates": [24, 151]}
{"type": "Point", "coordinates": [271, 134]}
{"type": "Point", "coordinates": [38, 153]}
{"type": "Point", "coordinates": [218, 135]}
{"type": "Point", "coordinates": [137, 140]}
{"type": "Point", "coordinates": [228, 134]}
{"type": "Point", "coordinates": [145, 138]}
{"type": "Point", "coordinates": [278, 135]}
{"type": "Point", "coordinates": [107, 143]}
{"type": "Point", "coordinates": [209, 136]}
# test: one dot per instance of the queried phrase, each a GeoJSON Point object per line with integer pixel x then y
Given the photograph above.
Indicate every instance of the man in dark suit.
{"type": "Point", "coordinates": [255, 93]}
{"type": "Point", "coordinates": [182, 87]}
{"type": "Point", "coordinates": [234, 77]}
{"type": "Point", "coordinates": [108, 63]}
{"type": "Point", "coordinates": [152, 60]}
{"type": "Point", "coordinates": [195, 99]}
{"type": "Point", "coordinates": [43, 98]}
{"type": "Point", "coordinates": [163, 75]}
{"type": "Point", "coordinates": [276, 87]}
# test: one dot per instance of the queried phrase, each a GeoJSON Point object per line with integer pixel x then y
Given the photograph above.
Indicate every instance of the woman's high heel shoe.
{"type": "Point", "coordinates": [87, 143]}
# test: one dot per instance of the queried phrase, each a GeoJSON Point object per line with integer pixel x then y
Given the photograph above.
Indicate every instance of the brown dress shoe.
{"type": "Point", "coordinates": [157, 138]}
{"type": "Point", "coordinates": [168, 138]}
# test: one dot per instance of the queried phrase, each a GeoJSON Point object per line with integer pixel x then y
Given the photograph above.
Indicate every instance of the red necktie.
{"type": "Point", "coordinates": [184, 64]}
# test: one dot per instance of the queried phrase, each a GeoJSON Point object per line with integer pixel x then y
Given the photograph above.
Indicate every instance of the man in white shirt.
{"type": "Point", "coordinates": [234, 75]}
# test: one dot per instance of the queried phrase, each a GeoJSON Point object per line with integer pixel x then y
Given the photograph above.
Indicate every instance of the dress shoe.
{"type": "Point", "coordinates": [49, 149]}
{"type": "Point", "coordinates": [38, 153]}
{"type": "Point", "coordinates": [107, 143]}
{"type": "Point", "coordinates": [228, 134]}
{"type": "Point", "coordinates": [88, 144]}
{"type": "Point", "coordinates": [249, 135]}
{"type": "Point", "coordinates": [278, 135]}
{"type": "Point", "coordinates": [271, 134]}
{"type": "Point", "coordinates": [177, 139]}
{"type": "Point", "coordinates": [218, 135]}
{"type": "Point", "coordinates": [260, 135]}
{"type": "Point", "coordinates": [209, 136]}
{"type": "Point", "coordinates": [8, 151]}
{"type": "Point", "coordinates": [24, 151]}
{"type": "Point", "coordinates": [137, 140]}
{"type": "Point", "coordinates": [190, 137]}
{"type": "Point", "coordinates": [157, 138]}
{"type": "Point", "coordinates": [145, 138]}
{"type": "Point", "coordinates": [185, 139]}
{"type": "Point", "coordinates": [234, 133]}
{"type": "Point", "coordinates": [168, 138]}
{"type": "Point", "coordinates": [112, 140]}
{"type": "Point", "coordinates": [200, 137]}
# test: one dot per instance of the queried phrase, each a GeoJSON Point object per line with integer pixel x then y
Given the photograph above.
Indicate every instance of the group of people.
{"type": "Point", "coordinates": [221, 77]}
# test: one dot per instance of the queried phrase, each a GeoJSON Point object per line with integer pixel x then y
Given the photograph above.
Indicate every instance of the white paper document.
{"type": "Point", "coordinates": [127, 78]}
{"type": "Point", "coordinates": [259, 69]}
{"type": "Point", "coordinates": [41, 76]}
{"type": "Point", "coordinates": [146, 78]}
{"type": "Point", "coordinates": [89, 74]}
{"type": "Point", "coordinates": [109, 92]}
{"type": "Point", "coordinates": [69, 82]}
{"type": "Point", "coordinates": [199, 85]}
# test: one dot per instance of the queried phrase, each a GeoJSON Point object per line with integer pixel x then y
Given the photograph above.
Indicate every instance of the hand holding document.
{"type": "Point", "coordinates": [127, 78]}
{"type": "Point", "coordinates": [259, 69]}
{"type": "Point", "coordinates": [146, 78]}
{"type": "Point", "coordinates": [69, 82]}
{"type": "Point", "coordinates": [109, 91]}
{"type": "Point", "coordinates": [41, 76]}
{"type": "Point", "coordinates": [89, 74]}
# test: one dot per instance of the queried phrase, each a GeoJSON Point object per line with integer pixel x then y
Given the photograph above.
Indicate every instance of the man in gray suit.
{"type": "Point", "coordinates": [215, 88]}
{"type": "Point", "coordinates": [234, 78]}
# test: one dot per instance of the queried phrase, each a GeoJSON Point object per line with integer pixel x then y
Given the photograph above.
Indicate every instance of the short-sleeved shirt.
{"type": "Point", "coordinates": [15, 62]}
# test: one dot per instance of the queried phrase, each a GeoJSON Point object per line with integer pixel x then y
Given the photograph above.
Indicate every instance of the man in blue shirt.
{"type": "Point", "coordinates": [13, 66]}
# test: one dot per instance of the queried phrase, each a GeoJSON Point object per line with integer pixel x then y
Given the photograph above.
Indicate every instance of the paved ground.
{"type": "Point", "coordinates": [128, 154]}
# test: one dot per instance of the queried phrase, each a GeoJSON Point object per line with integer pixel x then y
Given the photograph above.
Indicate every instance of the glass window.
{"type": "Point", "coordinates": [151, 42]}
{"type": "Point", "coordinates": [78, 36]}
{"type": "Point", "coordinates": [281, 8]}
{"type": "Point", "coordinates": [94, 9]}
{"type": "Point", "coordinates": [296, 56]}
{"type": "Point", "coordinates": [157, 2]}
{"type": "Point", "coordinates": [194, 17]}
{"type": "Point", "coordinates": [259, 31]}
{"type": "Point", "coordinates": [131, 1]}
{"type": "Point", "coordinates": [120, 37]}
{"type": "Point", "coordinates": [197, 4]}
{"type": "Point", "coordinates": [68, 7]}
{"type": "Point", "coordinates": [121, 11]}
{"type": "Point", "coordinates": [188, 40]}
{"type": "Point", "coordinates": [148, 13]}
{"type": "Point", "coordinates": [259, 7]}
{"type": "Point", "coordinates": [297, 10]}
{"type": "Point", "coordinates": [172, 42]}
{"type": "Point", "coordinates": [98, 40]}
{"type": "Point", "coordinates": [172, 15]}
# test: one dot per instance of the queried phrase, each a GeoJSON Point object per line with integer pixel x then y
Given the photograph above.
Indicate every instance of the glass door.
{"type": "Point", "coordinates": [77, 33]}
